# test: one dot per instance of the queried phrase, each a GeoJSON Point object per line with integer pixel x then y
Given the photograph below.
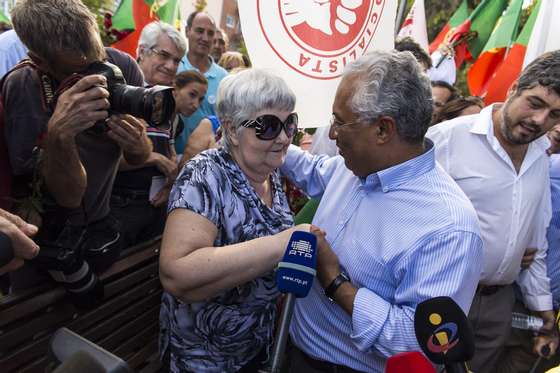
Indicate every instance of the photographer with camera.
{"type": "Point", "coordinates": [64, 140]}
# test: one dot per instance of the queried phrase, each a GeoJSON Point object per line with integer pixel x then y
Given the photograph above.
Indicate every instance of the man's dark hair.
{"type": "Point", "coordinates": [409, 44]}
{"type": "Point", "coordinates": [544, 71]}
{"type": "Point", "coordinates": [190, 18]}
{"type": "Point", "coordinates": [449, 87]}
{"type": "Point", "coordinates": [69, 27]}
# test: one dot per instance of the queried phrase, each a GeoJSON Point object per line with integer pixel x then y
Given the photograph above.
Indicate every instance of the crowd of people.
{"type": "Point", "coordinates": [418, 192]}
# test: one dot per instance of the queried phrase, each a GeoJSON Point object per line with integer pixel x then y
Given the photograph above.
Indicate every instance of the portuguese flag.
{"type": "Point", "coordinates": [469, 38]}
{"type": "Point", "coordinates": [460, 16]}
{"type": "Point", "coordinates": [482, 21]}
{"type": "Point", "coordinates": [132, 15]}
{"type": "Point", "coordinates": [494, 52]}
{"type": "Point", "coordinates": [509, 71]}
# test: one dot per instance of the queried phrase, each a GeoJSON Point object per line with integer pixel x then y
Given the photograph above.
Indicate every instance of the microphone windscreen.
{"type": "Point", "coordinates": [297, 269]}
{"type": "Point", "coordinates": [407, 362]}
{"type": "Point", "coordinates": [80, 362]}
{"type": "Point", "coordinates": [443, 331]}
{"type": "Point", "coordinates": [554, 370]}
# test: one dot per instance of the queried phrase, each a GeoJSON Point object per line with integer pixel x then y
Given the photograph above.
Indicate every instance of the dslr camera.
{"type": "Point", "coordinates": [155, 105]}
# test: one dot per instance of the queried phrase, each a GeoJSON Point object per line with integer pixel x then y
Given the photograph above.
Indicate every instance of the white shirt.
{"type": "Point", "coordinates": [514, 209]}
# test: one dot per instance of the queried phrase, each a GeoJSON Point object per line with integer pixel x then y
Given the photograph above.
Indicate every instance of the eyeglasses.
{"type": "Point", "coordinates": [268, 127]}
{"type": "Point", "coordinates": [164, 55]}
{"type": "Point", "coordinates": [335, 123]}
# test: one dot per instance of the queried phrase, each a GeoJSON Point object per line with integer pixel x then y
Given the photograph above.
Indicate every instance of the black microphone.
{"type": "Point", "coordinates": [294, 277]}
{"type": "Point", "coordinates": [444, 333]}
{"type": "Point", "coordinates": [80, 362]}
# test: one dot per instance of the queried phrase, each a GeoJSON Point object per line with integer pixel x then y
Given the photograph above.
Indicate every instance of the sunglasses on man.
{"type": "Point", "coordinates": [268, 127]}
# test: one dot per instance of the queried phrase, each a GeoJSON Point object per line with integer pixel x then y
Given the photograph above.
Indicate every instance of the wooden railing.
{"type": "Point", "coordinates": [125, 323]}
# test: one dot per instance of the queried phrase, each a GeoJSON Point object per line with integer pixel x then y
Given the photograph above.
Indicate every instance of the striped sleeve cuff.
{"type": "Point", "coordinates": [368, 318]}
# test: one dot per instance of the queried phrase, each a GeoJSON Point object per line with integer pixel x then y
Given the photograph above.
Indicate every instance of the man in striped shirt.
{"type": "Point", "coordinates": [399, 230]}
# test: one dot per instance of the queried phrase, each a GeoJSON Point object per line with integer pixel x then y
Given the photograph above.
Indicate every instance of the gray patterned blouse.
{"type": "Point", "coordinates": [224, 333]}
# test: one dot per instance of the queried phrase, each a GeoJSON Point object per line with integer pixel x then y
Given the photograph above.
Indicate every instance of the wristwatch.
{"type": "Point", "coordinates": [335, 284]}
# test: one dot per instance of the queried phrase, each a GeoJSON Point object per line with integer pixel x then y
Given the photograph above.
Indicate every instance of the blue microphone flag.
{"type": "Point", "coordinates": [297, 269]}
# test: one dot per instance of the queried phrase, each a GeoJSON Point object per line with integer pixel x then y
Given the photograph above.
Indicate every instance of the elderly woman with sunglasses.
{"type": "Point", "coordinates": [228, 227]}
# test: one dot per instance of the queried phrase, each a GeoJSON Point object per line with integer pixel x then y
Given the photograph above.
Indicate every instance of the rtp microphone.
{"type": "Point", "coordinates": [297, 269]}
{"type": "Point", "coordinates": [294, 277]}
{"type": "Point", "coordinates": [444, 333]}
{"type": "Point", "coordinates": [407, 362]}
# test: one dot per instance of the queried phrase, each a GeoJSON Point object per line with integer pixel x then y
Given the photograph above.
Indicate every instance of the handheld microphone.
{"type": "Point", "coordinates": [407, 362]}
{"type": "Point", "coordinates": [444, 333]}
{"type": "Point", "coordinates": [294, 277]}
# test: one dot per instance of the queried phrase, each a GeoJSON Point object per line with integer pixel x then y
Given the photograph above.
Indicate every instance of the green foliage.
{"type": "Point", "coordinates": [99, 8]}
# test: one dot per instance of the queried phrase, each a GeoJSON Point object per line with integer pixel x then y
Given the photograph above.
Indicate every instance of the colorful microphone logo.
{"type": "Point", "coordinates": [444, 338]}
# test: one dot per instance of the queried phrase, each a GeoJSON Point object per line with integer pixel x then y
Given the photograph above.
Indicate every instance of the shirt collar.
{"type": "Point", "coordinates": [393, 177]}
{"type": "Point", "coordinates": [484, 125]}
{"type": "Point", "coordinates": [211, 73]}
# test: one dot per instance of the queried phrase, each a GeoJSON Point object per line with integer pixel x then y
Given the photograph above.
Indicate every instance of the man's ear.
{"type": "Point", "coordinates": [141, 52]}
{"type": "Point", "coordinates": [512, 89]}
{"type": "Point", "coordinates": [386, 129]}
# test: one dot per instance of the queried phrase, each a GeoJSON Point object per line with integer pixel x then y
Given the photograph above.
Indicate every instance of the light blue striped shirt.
{"type": "Point", "coordinates": [404, 234]}
{"type": "Point", "coordinates": [553, 233]}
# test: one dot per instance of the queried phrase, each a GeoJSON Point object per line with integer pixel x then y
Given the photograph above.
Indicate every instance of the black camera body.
{"type": "Point", "coordinates": [155, 105]}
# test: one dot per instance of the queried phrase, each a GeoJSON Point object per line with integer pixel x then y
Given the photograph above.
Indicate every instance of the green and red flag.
{"type": "Point", "coordinates": [508, 72]}
{"type": "Point", "coordinates": [503, 36]}
{"type": "Point", "coordinates": [132, 15]}
{"type": "Point", "coordinates": [469, 38]}
{"type": "Point", "coordinates": [460, 16]}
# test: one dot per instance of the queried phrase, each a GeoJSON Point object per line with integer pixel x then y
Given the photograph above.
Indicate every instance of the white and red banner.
{"type": "Point", "coordinates": [308, 43]}
{"type": "Point", "coordinates": [414, 25]}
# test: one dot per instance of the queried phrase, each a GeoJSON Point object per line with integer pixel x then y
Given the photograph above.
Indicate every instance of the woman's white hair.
{"type": "Point", "coordinates": [243, 94]}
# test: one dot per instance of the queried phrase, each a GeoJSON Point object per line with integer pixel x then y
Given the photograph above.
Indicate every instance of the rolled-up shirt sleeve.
{"type": "Point", "coordinates": [453, 260]}
{"type": "Point", "coordinates": [309, 172]}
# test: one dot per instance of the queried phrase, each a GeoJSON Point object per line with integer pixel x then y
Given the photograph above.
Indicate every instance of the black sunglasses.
{"type": "Point", "coordinates": [268, 127]}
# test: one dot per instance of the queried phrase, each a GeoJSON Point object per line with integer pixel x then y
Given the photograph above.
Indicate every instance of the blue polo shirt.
{"type": "Point", "coordinates": [215, 74]}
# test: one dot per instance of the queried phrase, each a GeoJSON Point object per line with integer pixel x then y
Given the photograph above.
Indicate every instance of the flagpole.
{"type": "Point", "coordinates": [400, 16]}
